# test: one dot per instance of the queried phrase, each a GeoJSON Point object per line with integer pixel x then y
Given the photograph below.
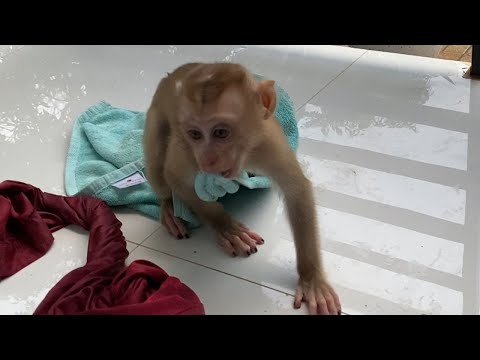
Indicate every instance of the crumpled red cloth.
{"type": "Point", "coordinates": [28, 217]}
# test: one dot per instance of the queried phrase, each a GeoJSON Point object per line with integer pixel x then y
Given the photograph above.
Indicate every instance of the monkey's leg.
{"type": "Point", "coordinates": [174, 225]}
{"type": "Point", "coordinates": [156, 140]}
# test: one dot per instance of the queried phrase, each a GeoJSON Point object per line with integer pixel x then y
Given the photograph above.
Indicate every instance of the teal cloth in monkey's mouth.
{"type": "Point", "coordinates": [105, 158]}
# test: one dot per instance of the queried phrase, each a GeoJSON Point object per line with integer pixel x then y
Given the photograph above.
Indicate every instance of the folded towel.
{"type": "Point", "coordinates": [105, 160]}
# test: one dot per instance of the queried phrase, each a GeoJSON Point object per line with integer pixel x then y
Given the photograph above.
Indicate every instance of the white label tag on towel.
{"type": "Point", "coordinates": [134, 179]}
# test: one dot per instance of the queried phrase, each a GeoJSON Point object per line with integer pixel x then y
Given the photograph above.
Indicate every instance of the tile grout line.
{"type": "Point", "coordinates": [465, 51]}
{"type": "Point", "coordinates": [211, 268]}
{"type": "Point", "coordinates": [460, 55]}
{"type": "Point", "coordinates": [219, 271]}
{"type": "Point", "coordinates": [140, 243]}
{"type": "Point", "coordinates": [335, 78]}
{"type": "Point", "coordinates": [135, 246]}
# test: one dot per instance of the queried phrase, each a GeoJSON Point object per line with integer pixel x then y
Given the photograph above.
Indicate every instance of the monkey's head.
{"type": "Point", "coordinates": [222, 110]}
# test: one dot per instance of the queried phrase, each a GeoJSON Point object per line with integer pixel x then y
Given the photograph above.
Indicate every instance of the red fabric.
{"type": "Point", "coordinates": [104, 285]}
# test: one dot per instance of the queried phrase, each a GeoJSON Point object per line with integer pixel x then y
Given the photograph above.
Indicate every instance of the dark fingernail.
{"type": "Point", "coordinates": [339, 313]}
{"type": "Point", "coordinates": [234, 254]}
{"type": "Point", "coordinates": [179, 237]}
{"type": "Point", "coordinates": [248, 253]}
{"type": "Point", "coordinates": [255, 250]}
{"type": "Point", "coordinates": [187, 236]}
{"type": "Point", "coordinates": [262, 240]}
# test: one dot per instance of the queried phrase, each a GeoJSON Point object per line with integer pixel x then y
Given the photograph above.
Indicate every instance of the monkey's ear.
{"type": "Point", "coordinates": [268, 96]}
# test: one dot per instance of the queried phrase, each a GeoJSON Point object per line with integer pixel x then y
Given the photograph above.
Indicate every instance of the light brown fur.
{"type": "Point", "coordinates": [217, 118]}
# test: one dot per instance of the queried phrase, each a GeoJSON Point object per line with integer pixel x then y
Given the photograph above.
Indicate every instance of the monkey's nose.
{"type": "Point", "coordinates": [209, 165]}
{"type": "Point", "coordinates": [212, 162]}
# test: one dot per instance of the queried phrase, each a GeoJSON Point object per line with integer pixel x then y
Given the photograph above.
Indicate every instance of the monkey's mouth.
{"type": "Point", "coordinates": [228, 174]}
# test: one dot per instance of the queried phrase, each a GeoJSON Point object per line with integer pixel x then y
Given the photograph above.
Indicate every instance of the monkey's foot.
{"type": "Point", "coordinates": [237, 239]}
{"type": "Point", "coordinates": [174, 225]}
{"type": "Point", "coordinates": [320, 297]}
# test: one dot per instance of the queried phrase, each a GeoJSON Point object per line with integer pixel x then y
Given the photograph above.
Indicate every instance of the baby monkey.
{"type": "Point", "coordinates": [217, 118]}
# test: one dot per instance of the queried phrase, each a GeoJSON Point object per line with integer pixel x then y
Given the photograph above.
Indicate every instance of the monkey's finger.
{"type": "Point", "coordinates": [239, 245]}
{"type": "Point", "coordinates": [227, 246]}
{"type": "Point", "coordinates": [338, 305]}
{"type": "Point", "coordinates": [255, 237]}
{"type": "Point", "coordinates": [249, 241]}
{"type": "Point", "coordinates": [243, 228]}
{"type": "Point", "coordinates": [322, 305]}
{"type": "Point", "coordinates": [178, 223]}
{"type": "Point", "coordinates": [331, 308]}
{"type": "Point", "coordinates": [180, 226]}
{"type": "Point", "coordinates": [312, 303]}
{"type": "Point", "coordinates": [172, 227]}
{"type": "Point", "coordinates": [164, 223]}
{"type": "Point", "coordinates": [298, 298]}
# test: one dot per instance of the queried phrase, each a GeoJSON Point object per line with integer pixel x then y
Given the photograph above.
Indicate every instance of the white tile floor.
{"type": "Point", "coordinates": [391, 142]}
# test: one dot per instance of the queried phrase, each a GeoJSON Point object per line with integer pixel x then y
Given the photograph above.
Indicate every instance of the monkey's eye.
{"type": "Point", "coordinates": [221, 133]}
{"type": "Point", "coordinates": [195, 134]}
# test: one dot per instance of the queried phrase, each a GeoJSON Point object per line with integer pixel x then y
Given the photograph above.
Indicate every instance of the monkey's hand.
{"type": "Point", "coordinates": [174, 225]}
{"type": "Point", "coordinates": [319, 295]}
{"type": "Point", "coordinates": [237, 239]}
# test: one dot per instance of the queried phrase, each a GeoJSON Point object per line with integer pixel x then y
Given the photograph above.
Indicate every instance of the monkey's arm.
{"type": "Point", "coordinates": [286, 171]}
{"type": "Point", "coordinates": [156, 139]}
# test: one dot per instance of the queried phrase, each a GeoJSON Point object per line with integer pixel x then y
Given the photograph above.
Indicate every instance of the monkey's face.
{"type": "Point", "coordinates": [221, 134]}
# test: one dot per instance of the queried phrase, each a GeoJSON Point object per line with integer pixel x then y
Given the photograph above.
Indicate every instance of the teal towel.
{"type": "Point", "coordinates": [106, 153]}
